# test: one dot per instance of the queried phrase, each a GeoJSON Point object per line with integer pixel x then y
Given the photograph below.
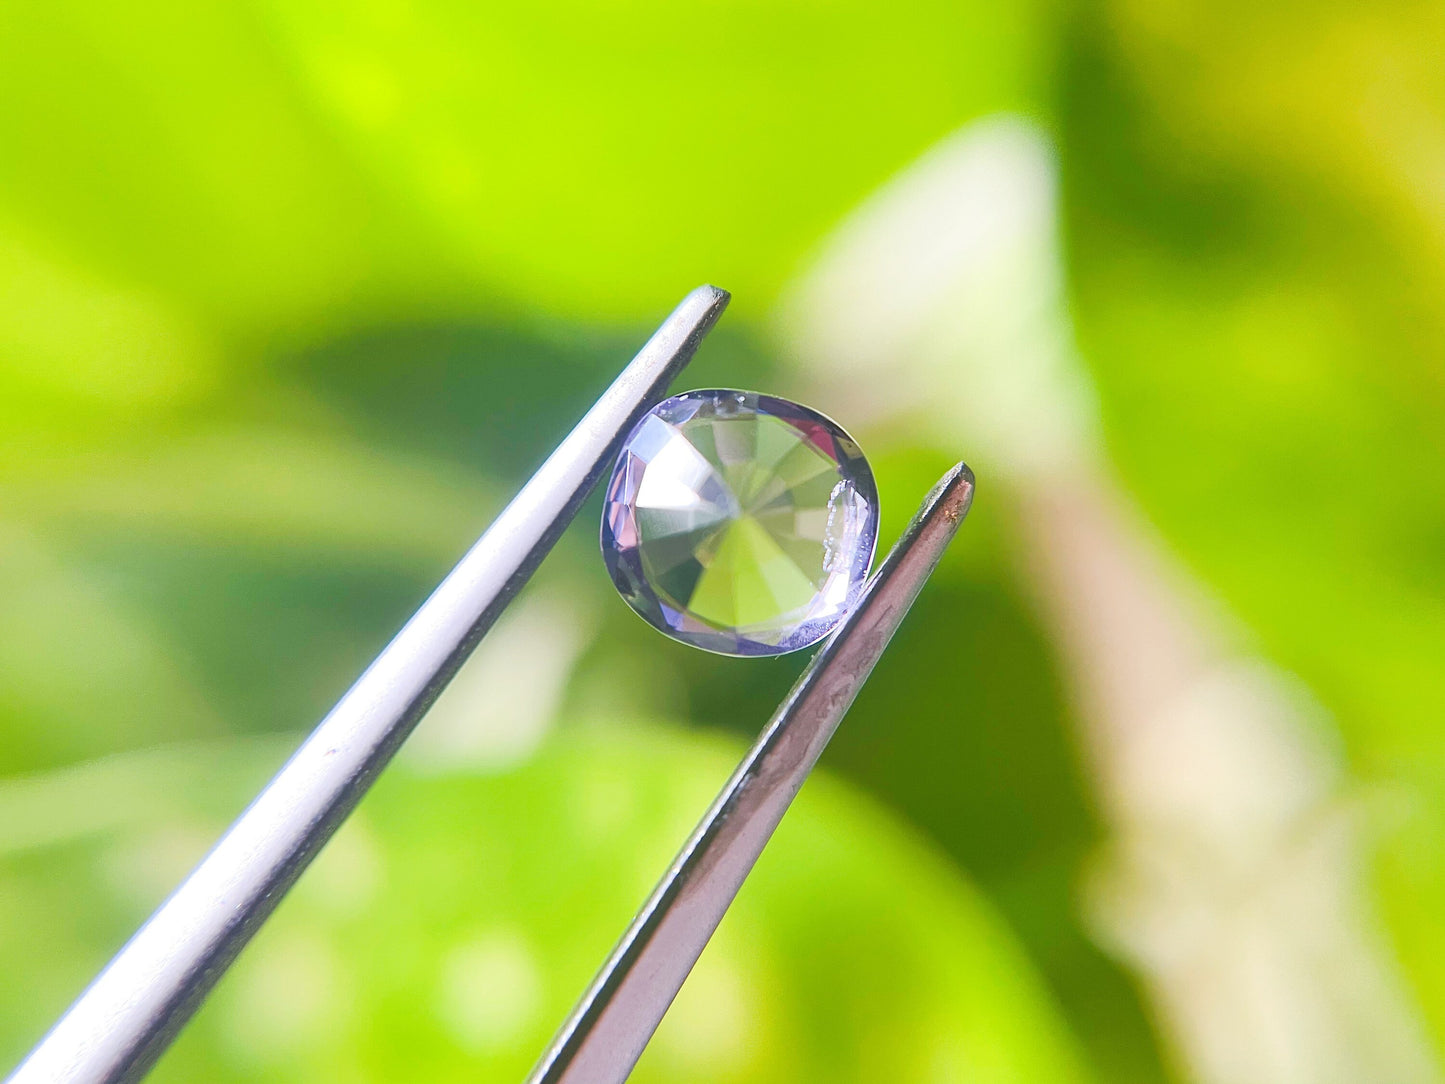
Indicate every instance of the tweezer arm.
{"type": "Point", "coordinates": [130, 1013]}
{"type": "Point", "coordinates": [602, 1040]}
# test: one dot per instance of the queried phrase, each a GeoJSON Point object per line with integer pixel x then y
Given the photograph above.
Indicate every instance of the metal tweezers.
{"type": "Point", "coordinates": [133, 1010]}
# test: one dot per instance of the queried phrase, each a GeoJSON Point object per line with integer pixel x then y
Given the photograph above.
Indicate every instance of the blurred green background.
{"type": "Point", "coordinates": [1151, 787]}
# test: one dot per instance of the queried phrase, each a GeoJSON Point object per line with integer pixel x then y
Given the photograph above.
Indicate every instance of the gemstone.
{"type": "Point", "coordinates": [740, 523]}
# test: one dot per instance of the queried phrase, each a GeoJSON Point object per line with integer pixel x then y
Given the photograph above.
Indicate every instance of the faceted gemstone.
{"type": "Point", "coordinates": [740, 523]}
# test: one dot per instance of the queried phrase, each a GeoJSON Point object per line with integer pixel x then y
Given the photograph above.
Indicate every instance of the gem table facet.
{"type": "Point", "coordinates": [740, 523]}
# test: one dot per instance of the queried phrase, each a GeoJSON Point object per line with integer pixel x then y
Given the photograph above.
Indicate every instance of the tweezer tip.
{"type": "Point", "coordinates": [952, 495]}
{"type": "Point", "coordinates": [712, 295]}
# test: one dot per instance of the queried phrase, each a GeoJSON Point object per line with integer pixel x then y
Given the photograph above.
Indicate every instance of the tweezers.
{"type": "Point", "coordinates": [134, 1008]}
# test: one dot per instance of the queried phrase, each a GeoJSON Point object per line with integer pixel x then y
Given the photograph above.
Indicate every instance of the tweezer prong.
{"type": "Point", "coordinates": [612, 1023]}
{"type": "Point", "coordinates": [133, 1009]}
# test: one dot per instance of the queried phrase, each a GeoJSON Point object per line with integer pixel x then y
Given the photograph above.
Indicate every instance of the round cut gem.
{"type": "Point", "coordinates": [740, 523]}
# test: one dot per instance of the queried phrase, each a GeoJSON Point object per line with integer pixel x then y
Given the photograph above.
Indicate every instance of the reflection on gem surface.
{"type": "Point", "coordinates": [740, 523]}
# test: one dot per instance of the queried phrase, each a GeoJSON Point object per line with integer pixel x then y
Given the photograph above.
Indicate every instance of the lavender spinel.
{"type": "Point", "coordinates": [740, 523]}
